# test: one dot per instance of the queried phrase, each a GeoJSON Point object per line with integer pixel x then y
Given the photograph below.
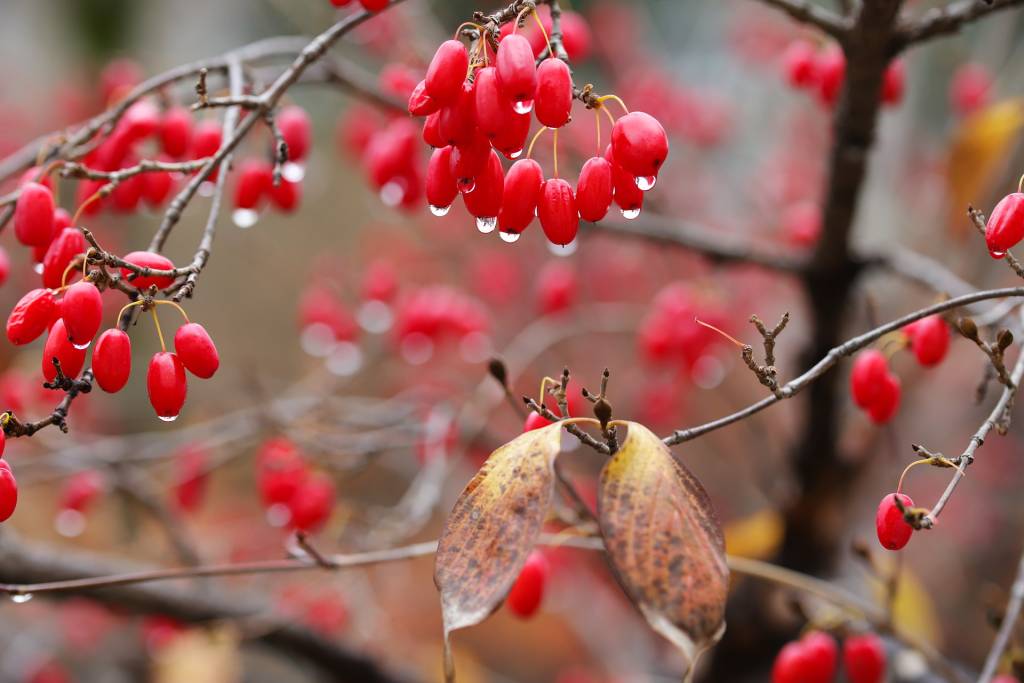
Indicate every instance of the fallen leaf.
{"type": "Point", "coordinates": [492, 529]}
{"type": "Point", "coordinates": [664, 542]}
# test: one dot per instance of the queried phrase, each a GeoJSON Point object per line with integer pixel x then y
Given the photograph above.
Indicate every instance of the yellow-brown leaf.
{"type": "Point", "coordinates": [664, 542]}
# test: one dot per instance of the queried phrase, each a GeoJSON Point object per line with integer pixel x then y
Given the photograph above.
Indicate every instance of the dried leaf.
{"type": "Point", "coordinates": [664, 542]}
{"type": "Point", "coordinates": [980, 150]}
{"type": "Point", "coordinates": [492, 529]}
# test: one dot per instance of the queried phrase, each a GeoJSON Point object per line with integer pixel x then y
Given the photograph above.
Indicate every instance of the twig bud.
{"type": "Point", "coordinates": [968, 328]}
{"type": "Point", "coordinates": [498, 371]}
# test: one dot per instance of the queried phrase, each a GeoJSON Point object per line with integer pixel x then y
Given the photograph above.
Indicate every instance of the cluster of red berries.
{"type": "Point", "coordinates": [254, 186]}
{"type": "Point", "coordinates": [815, 659]}
{"type": "Point", "coordinates": [822, 72]}
{"type": "Point", "coordinates": [191, 472]}
{"type": "Point", "coordinates": [368, 5]}
{"type": "Point", "coordinates": [527, 593]}
{"type": "Point", "coordinates": [669, 335]}
{"type": "Point", "coordinates": [1005, 226]}
{"type": "Point", "coordinates": [875, 389]}
{"type": "Point", "coordinates": [474, 111]}
{"type": "Point", "coordinates": [295, 496]}
{"type": "Point", "coordinates": [73, 321]}
{"type": "Point", "coordinates": [434, 315]}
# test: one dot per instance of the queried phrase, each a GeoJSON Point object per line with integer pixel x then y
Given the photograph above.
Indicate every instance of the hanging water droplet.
{"type": "Point", "coordinates": [375, 317]}
{"type": "Point", "coordinates": [392, 193]}
{"type": "Point", "coordinates": [293, 172]}
{"type": "Point", "coordinates": [997, 254]}
{"type": "Point", "coordinates": [38, 268]}
{"type": "Point", "coordinates": [317, 339]}
{"type": "Point", "coordinates": [416, 348]}
{"type": "Point", "coordinates": [169, 418]}
{"type": "Point", "coordinates": [516, 154]}
{"type": "Point", "coordinates": [486, 224]}
{"type": "Point", "coordinates": [564, 249]}
{"type": "Point", "coordinates": [69, 523]}
{"type": "Point", "coordinates": [523, 106]}
{"type": "Point", "coordinates": [82, 347]}
{"type": "Point", "coordinates": [21, 598]}
{"type": "Point", "coordinates": [278, 515]}
{"type": "Point", "coordinates": [245, 218]}
{"type": "Point", "coordinates": [345, 359]}
{"type": "Point", "coordinates": [630, 214]}
{"type": "Point", "coordinates": [207, 188]}
{"type": "Point", "coordinates": [440, 210]}
{"type": "Point", "coordinates": [510, 237]}
{"type": "Point", "coordinates": [466, 185]}
{"type": "Point", "coordinates": [646, 183]}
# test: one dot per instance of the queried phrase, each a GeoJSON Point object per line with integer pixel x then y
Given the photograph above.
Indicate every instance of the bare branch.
{"type": "Point", "coordinates": [949, 19]}
{"type": "Point", "coordinates": [1010, 617]}
{"type": "Point", "coordinates": [809, 13]}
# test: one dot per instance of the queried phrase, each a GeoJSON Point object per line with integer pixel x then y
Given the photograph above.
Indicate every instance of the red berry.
{"type": "Point", "coordinates": [33, 215]}
{"type": "Point", "coordinates": [140, 121]}
{"type": "Point", "coordinates": [297, 131]}
{"type": "Point", "coordinates": [640, 145]}
{"type": "Point", "coordinates": [522, 190]}
{"type": "Point", "coordinates": [553, 100]}
{"type": "Point", "coordinates": [831, 72]}
{"type": "Point", "coordinates": [535, 421]}
{"type": "Point", "coordinates": [380, 281]}
{"type": "Point", "coordinates": [970, 88]}
{"type": "Point", "coordinates": [894, 82]}
{"type": "Point", "coordinates": [788, 666]}
{"type": "Point", "coordinates": [468, 160]}
{"type": "Point", "coordinates": [196, 350]}
{"type": "Point", "coordinates": [556, 288]}
{"type": "Point", "coordinates": [310, 506]}
{"type": "Point", "coordinates": [5, 265]}
{"type": "Point", "coordinates": [8, 491]}
{"type": "Point", "coordinates": [492, 107]}
{"type": "Point", "coordinates": [893, 530]}
{"type": "Point", "coordinates": [340, 3]}
{"type": "Point", "coordinates": [156, 187]}
{"type": "Point", "coordinates": [821, 656]}
{"type": "Point", "coordinates": [82, 311]}
{"type": "Point", "coordinates": [255, 181]}
{"type": "Point", "coordinates": [118, 77]}
{"type": "Point", "coordinates": [887, 401]}
{"type": "Point", "coordinates": [420, 102]}
{"type": "Point", "coordinates": [528, 591]}
{"type": "Point", "coordinates": [517, 71]}
{"type": "Point", "coordinates": [30, 175]}
{"type": "Point", "coordinates": [864, 658]}
{"type": "Point", "coordinates": [511, 139]}
{"type": "Point", "coordinates": [447, 71]}
{"type": "Point", "coordinates": [801, 223]}
{"type": "Point", "coordinates": [442, 187]}
{"type": "Point", "coordinates": [929, 339]}
{"type": "Point", "coordinates": [484, 202]}
{"type": "Point", "coordinates": [556, 209]}
{"type": "Point", "coordinates": [69, 243]}
{"type": "Point", "coordinates": [798, 64]}
{"type": "Point", "coordinates": [191, 474]}
{"type": "Point", "coordinates": [148, 259]}
{"type": "Point", "coordinates": [1005, 678]}
{"type": "Point", "coordinates": [206, 139]}
{"type": "Point", "coordinates": [594, 189]}
{"type": "Point", "coordinates": [176, 132]}
{"type": "Point", "coordinates": [281, 471]}
{"type": "Point", "coordinates": [575, 36]}
{"type": "Point", "coordinates": [126, 197]}
{"type": "Point", "coordinates": [81, 491]}
{"type": "Point", "coordinates": [627, 195]}
{"type": "Point", "coordinates": [432, 131]}
{"type": "Point", "coordinates": [286, 195]}
{"type": "Point", "coordinates": [31, 316]}
{"type": "Point", "coordinates": [870, 369]}
{"type": "Point", "coordinates": [112, 360]}
{"type": "Point", "coordinates": [458, 119]}
{"type": "Point", "coordinates": [166, 384]}
{"type": "Point", "coordinates": [1005, 227]}
{"type": "Point", "coordinates": [57, 346]}
{"type": "Point", "coordinates": [374, 5]}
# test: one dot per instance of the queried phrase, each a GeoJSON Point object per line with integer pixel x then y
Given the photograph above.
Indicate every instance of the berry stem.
{"type": "Point", "coordinates": [543, 32]}
{"type": "Point", "coordinates": [176, 305]}
{"type": "Point", "coordinates": [731, 338]}
{"type": "Point", "coordinates": [159, 332]}
{"type": "Point", "coordinates": [899, 484]}
{"type": "Point", "coordinates": [555, 151]}
{"type": "Point", "coordinates": [464, 24]}
{"type": "Point", "coordinates": [615, 98]}
{"type": "Point", "coordinates": [597, 124]}
{"type": "Point", "coordinates": [127, 306]}
{"type": "Point", "coordinates": [95, 196]}
{"type": "Point", "coordinates": [529, 150]}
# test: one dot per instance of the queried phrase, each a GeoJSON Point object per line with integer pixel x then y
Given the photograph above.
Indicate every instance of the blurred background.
{"type": "Point", "coordinates": [400, 420]}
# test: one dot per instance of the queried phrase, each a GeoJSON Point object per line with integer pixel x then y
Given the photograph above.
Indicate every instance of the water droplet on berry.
{"type": "Point", "coordinates": [392, 194]}
{"type": "Point", "coordinates": [278, 515]}
{"type": "Point", "coordinates": [82, 346]}
{"type": "Point", "coordinates": [646, 182]}
{"type": "Point", "coordinates": [997, 254]}
{"type": "Point", "coordinates": [21, 598]}
{"type": "Point", "coordinates": [69, 523]}
{"type": "Point", "coordinates": [523, 106]}
{"type": "Point", "coordinates": [630, 214]}
{"type": "Point", "coordinates": [416, 348]}
{"type": "Point", "coordinates": [345, 359]}
{"type": "Point", "coordinates": [293, 172]}
{"type": "Point", "coordinates": [440, 210]}
{"type": "Point", "coordinates": [510, 237]}
{"type": "Point", "coordinates": [486, 224]}
{"type": "Point", "coordinates": [207, 189]}
{"type": "Point", "coordinates": [564, 249]}
{"type": "Point", "coordinates": [515, 155]}
{"type": "Point", "coordinates": [466, 185]}
{"type": "Point", "coordinates": [168, 418]}
{"type": "Point", "coordinates": [317, 339]}
{"type": "Point", "coordinates": [38, 268]}
{"type": "Point", "coordinates": [708, 372]}
{"type": "Point", "coordinates": [375, 317]}
{"type": "Point", "coordinates": [244, 218]}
